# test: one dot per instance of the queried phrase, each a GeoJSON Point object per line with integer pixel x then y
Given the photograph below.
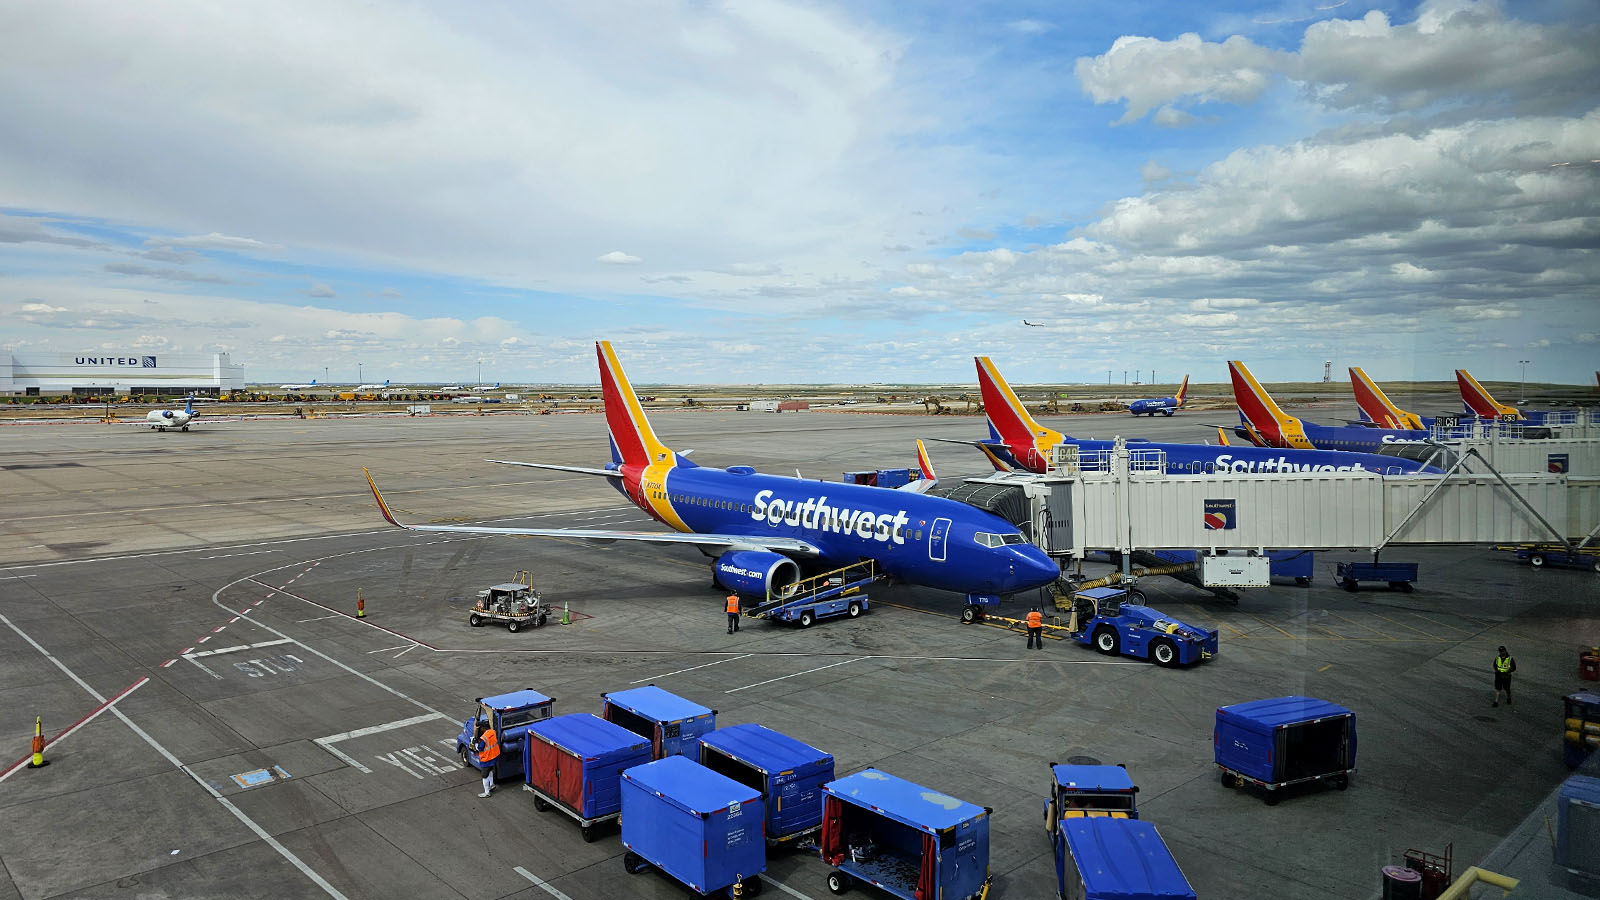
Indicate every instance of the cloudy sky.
{"type": "Point", "coordinates": [793, 191]}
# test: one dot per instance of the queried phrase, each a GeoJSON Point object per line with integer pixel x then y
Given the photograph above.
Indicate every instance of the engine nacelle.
{"type": "Point", "coordinates": [757, 572]}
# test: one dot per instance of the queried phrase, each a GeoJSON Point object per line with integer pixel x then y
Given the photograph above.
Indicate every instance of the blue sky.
{"type": "Point", "coordinates": [787, 192]}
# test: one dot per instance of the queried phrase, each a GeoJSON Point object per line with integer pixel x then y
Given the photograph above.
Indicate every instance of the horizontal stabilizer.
{"type": "Point", "coordinates": [581, 470]}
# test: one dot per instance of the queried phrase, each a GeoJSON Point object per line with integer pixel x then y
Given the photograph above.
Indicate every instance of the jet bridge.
{"type": "Point", "coordinates": [1124, 501]}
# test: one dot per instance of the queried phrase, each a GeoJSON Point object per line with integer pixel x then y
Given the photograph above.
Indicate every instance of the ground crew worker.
{"type": "Point", "coordinates": [733, 613]}
{"type": "Point", "coordinates": [1035, 629]}
{"type": "Point", "coordinates": [1504, 665]}
{"type": "Point", "coordinates": [488, 747]}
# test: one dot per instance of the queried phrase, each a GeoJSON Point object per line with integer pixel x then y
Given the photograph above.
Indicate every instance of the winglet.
{"type": "Point", "coordinates": [924, 463]}
{"type": "Point", "coordinates": [382, 506]}
{"type": "Point", "coordinates": [1222, 437]}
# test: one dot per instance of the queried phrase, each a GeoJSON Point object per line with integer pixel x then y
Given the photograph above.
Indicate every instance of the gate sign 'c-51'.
{"type": "Point", "coordinates": [1220, 514]}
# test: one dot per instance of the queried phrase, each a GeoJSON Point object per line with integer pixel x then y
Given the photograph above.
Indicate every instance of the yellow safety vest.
{"type": "Point", "coordinates": [1503, 666]}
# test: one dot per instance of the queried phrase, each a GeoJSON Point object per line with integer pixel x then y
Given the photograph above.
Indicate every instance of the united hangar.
{"type": "Point", "coordinates": [101, 372]}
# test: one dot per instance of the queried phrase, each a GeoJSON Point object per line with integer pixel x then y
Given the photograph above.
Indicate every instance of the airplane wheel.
{"type": "Point", "coordinates": [1164, 653]}
{"type": "Point", "coordinates": [1105, 640]}
{"type": "Point", "coordinates": [185, 428]}
{"type": "Point", "coordinates": [854, 609]}
{"type": "Point", "coordinates": [969, 614]}
{"type": "Point", "coordinates": [161, 428]}
{"type": "Point", "coordinates": [474, 621]}
{"type": "Point", "coordinates": [1536, 560]}
{"type": "Point", "coordinates": [807, 619]}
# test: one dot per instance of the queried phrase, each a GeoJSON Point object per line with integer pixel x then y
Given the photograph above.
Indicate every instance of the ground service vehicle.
{"type": "Point", "coordinates": [1106, 858]}
{"type": "Point", "coordinates": [1538, 555]}
{"type": "Point", "coordinates": [1284, 741]}
{"type": "Point", "coordinates": [1399, 575]}
{"type": "Point", "coordinates": [511, 714]}
{"type": "Point", "coordinates": [575, 763]}
{"type": "Point", "coordinates": [699, 828]}
{"type": "Point", "coordinates": [1102, 618]}
{"type": "Point", "coordinates": [671, 724]}
{"type": "Point", "coordinates": [516, 606]}
{"type": "Point", "coordinates": [910, 841]}
{"type": "Point", "coordinates": [1084, 791]}
{"type": "Point", "coordinates": [788, 773]}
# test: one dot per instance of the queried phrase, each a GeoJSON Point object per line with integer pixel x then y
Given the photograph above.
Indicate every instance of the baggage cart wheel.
{"type": "Point", "coordinates": [969, 614]}
{"type": "Point", "coordinates": [807, 619]}
{"type": "Point", "coordinates": [474, 620]}
{"type": "Point", "coordinates": [752, 886]}
{"type": "Point", "coordinates": [854, 609]}
{"type": "Point", "coordinates": [1407, 587]}
{"type": "Point", "coordinates": [1164, 653]}
{"type": "Point", "coordinates": [1230, 780]}
{"type": "Point", "coordinates": [1341, 781]}
{"type": "Point", "coordinates": [1302, 580]}
{"type": "Point", "coordinates": [838, 882]}
{"type": "Point", "coordinates": [540, 803]}
{"type": "Point", "coordinates": [1348, 585]}
{"type": "Point", "coordinates": [513, 626]}
{"type": "Point", "coordinates": [633, 862]}
{"type": "Point", "coordinates": [543, 617]}
{"type": "Point", "coordinates": [1272, 798]}
{"type": "Point", "coordinates": [1105, 640]}
{"type": "Point", "coordinates": [590, 833]}
{"type": "Point", "coordinates": [1536, 560]}
{"type": "Point", "coordinates": [1596, 565]}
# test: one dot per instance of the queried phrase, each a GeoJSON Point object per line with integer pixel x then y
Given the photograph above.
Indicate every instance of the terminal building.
{"type": "Point", "coordinates": [158, 375]}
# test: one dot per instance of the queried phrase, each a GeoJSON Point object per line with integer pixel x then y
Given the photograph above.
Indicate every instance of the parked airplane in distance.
{"type": "Point", "coordinates": [762, 530]}
{"type": "Point", "coordinates": [1018, 441]}
{"type": "Point", "coordinates": [1477, 401]}
{"type": "Point", "coordinates": [299, 387]}
{"type": "Point", "coordinates": [1377, 408]}
{"type": "Point", "coordinates": [371, 387]}
{"type": "Point", "coordinates": [1264, 424]}
{"type": "Point", "coordinates": [1164, 405]}
{"type": "Point", "coordinates": [162, 419]}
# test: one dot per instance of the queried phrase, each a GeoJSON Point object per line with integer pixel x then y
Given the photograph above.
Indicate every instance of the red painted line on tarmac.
{"type": "Point", "coordinates": [78, 724]}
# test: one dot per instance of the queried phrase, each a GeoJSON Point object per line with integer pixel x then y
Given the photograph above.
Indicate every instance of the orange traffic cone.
{"type": "Point", "coordinates": [361, 605]}
{"type": "Point", "coordinates": [38, 761]}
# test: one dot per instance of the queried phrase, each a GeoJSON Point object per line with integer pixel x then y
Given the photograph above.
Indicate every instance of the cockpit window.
{"type": "Point", "coordinates": [1014, 538]}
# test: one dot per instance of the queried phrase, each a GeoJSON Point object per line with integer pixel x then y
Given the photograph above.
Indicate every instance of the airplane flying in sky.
{"type": "Point", "coordinates": [1264, 424]}
{"type": "Point", "coordinates": [162, 419]}
{"type": "Point", "coordinates": [762, 530]}
{"type": "Point", "coordinates": [1164, 405]}
{"type": "Point", "coordinates": [1377, 408]}
{"type": "Point", "coordinates": [1018, 441]}
{"type": "Point", "coordinates": [298, 387]}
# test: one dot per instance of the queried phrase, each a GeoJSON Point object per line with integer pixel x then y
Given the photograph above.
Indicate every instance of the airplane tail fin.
{"type": "Point", "coordinates": [1183, 391]}
{"type": "Point", "coordinates": [1479, 402]}
{"type": "Point", "coordinates": [924, 463]}
{"type": "Point", "coordinates": [1376, 407]}
{"type": "Point", "coordinates": [1009, 420]}
{"type": "Point", "coordinates": [633, 441]}
{"type": "Point", "coordinates": [1261, 414]}
{"type": "Point", "coordinates": [188, 405]}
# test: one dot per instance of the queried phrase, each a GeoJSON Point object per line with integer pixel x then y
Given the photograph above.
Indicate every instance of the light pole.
{"type": "Point", "coordinates": [480, 375]}
{"type": "Point", "coordinates": [359, 378]}
{"type": "Point", "coordinates": [1524, 364]}
{"type": "Point", "coordinates": [324, 374]}
{"type": "Point", "coordinates": [1108, 378]}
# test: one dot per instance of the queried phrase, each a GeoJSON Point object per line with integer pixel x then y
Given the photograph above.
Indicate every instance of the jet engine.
{"type": "Point", "coordinates": [757, 572]}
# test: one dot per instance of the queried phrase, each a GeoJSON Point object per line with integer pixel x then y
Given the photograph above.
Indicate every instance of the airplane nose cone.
{"type": "Point", "coordinates": [1034, 568]}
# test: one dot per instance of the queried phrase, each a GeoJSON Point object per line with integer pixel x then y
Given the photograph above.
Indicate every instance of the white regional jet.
{"type": "Point", "coordinates": [299, 387]}
{"type": "Point", "coordinates": [162, 419]}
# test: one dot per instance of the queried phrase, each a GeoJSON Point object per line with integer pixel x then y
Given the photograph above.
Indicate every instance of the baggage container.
{"type": "Point", "coordinates": [1400, 575]}
{"type": "Point", "coordinates": [672, 724]}
{"type": "Point", "coordinates": [700, 828]}
{"type": "Point", "coordinates": [1087, 791]}
{"type": "Point", "coordinates": [788, 773]}
{"type": "Point", "coordinates": [910, 841]}
{"type": "Point", "coordinates": [1116, 859]}
{"type": "Point", "coordinates": [1578, 825]}
{"type": "Point", "coordinates": [1283, 741]}
{"type": "Point", "coordinates": [575, 762]}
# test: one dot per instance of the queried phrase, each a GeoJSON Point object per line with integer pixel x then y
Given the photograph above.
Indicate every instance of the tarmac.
{"type": "Point", "coordinates": [179, 609]}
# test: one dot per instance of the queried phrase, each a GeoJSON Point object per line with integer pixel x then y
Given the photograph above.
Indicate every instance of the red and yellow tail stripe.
{"type": "Point", "coordinates": [923, 462]}
{"type": "Point", "coordinates": [1011, 420]}
{"type": "Point", "coordinates": [1183, 391]}
{"type": "Point", "coordinates": [1377, 405]}
{"type": "Point", "coordinates": [645, 459]}
{"type": "Point", "coordinates": [1262, 414]}
{"type": "Point", "coordinates": [1480, 402]}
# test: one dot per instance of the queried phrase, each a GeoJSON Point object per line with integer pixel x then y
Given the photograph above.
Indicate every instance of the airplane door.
{"type": "Point", "coordinates": [936, 539]}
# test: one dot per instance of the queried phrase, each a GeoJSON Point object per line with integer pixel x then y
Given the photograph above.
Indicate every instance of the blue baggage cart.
{"type": "Point", "coordinates": [700, 828]}
{"type": "Point", "coordinates": [1399, 575]}
{"type": "Point", "coordinates": [1283, 741]}
{"type": "Point", "coordinates": [1105, 858]}
{"type": "Point", "coordinates": [1088, 791]}
{"type": "Point", "coordinates": [912, 842]}
{"type": "Point", "coordinates": [788, 773]}
{"type": "Point", "coordinates": [672, 724]}
{"type": "Point", "coordinates": [511, 714]}
{"type": "Point", "coordinates": [575, 763]}
{"type": "Point", "coordinates": [1578, 825]}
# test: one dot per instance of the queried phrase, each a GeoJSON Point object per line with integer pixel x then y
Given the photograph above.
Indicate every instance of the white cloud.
{"type": "Point", "coordinates": [320, 290]}
{"type": "Point", "coordinates": [1030, 26]}
{"type": "Point", "coordinates": [618, 258]}
{"type": "Point", "coordinates": [164, 274]}
{"type": "Point", "coordinates": [24, 230]}
{"type": "Point", "coordinates": [1151, 73]}
{"type": "Point", "coordinates": [213, 241]}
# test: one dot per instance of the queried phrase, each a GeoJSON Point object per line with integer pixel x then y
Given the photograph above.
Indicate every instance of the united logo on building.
{"type": "Point", "coordinates": [148, 362]}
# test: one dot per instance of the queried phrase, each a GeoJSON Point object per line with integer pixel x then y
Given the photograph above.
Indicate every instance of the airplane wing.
{"type": "Point", "coordinates": [581, 470]}
{"type": "Point", "coordinates": [987, 447]}
{"type": "Point", "coordinates": [790, 546]}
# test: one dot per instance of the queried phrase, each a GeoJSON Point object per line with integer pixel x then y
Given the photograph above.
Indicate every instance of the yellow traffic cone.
{"type": "Point", "coordinates": [38, 761]}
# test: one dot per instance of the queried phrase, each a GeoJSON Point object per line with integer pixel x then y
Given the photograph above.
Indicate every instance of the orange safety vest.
{"type": "Point", "coordinates": [491, 747]}
{"type": "Point", "coordinates": [1035, 619]}
{"type": "Point", "coordinates": [733, 604]}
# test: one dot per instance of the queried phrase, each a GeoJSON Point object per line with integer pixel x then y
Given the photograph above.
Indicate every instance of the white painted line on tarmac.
{"type": "Point", "coordinates": [78, 724]}
{"type": "Point", "coordinates": [237, 812]}
{"type": "Point", "coordinates": [550, 888]}
{"type": "Point", "coordinates": [320, 618]}
{"type": "Point", "coordinates": [202, 666]}
{"type": "Point", "coordinates": [221, 650]}
{"type": "Point", "coordinates": [406, 650]}
{"type": "Point", "coordinates": [785, 888]}
{"type": "Point", "coordinates": [797, 674]}
{"type": "Point", "coordinates": [206, 638]}
{"type": "Point", "coordinates": [327, 743]}
{"type": "Point", "coordinates": [692, 668]}
{"type": "Point", "coordinates": [4, 577]}
{"type": "Point", "coordinates": [387, 649]}
{"type": "Point", "coordinates": [228, 555]}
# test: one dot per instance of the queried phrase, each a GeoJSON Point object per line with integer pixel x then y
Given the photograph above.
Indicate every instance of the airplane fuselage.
{"type": "Point", "coordinates": [931, 541]}
{"type": "Point", "coordinates": [1300, 434]}
{"type": "Point", "coordinates": [1164, 405]}
{"type": "Point", "coordinates": [1192, 459]}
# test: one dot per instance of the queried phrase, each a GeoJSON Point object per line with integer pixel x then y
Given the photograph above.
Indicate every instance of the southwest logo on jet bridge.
{"type": "Point", "coordinates": [815, 513]}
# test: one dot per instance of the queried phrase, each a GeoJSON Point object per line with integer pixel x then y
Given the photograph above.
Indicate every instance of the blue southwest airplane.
{"type": "Point", "coordinates": [1263, 423]}
{"type": "Point", "coordinates": [1018, 441]}
{"type": "Point", "coordinates": [1477, 401]}
{"type": "Point", "coordinates": [1164, 405]}
{"type": "Point", "coordinates": [1379, 410]}
{"type": "Point", "coordinates": [762, 529]}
